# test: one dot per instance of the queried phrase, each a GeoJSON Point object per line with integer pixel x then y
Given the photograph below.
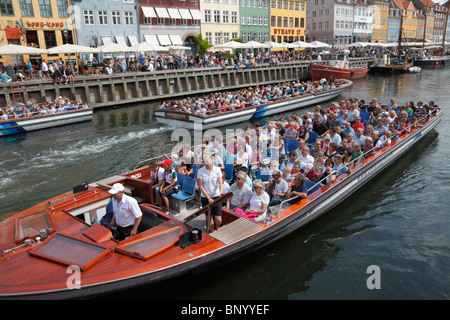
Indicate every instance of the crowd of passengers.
{"type": "Point", "coordinates": [342, 141]}
{"type": "Point", "coordinates": [221, 102]}
{"type": "Point", "coordinates": [33, 109]}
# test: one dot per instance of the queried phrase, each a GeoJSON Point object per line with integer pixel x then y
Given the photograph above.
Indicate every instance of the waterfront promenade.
{"type": "Point", "coordinates": [131, 87]}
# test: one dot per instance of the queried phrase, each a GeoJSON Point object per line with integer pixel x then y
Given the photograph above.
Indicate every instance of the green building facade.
{"type": "Point", "coordinates": [254, 16]}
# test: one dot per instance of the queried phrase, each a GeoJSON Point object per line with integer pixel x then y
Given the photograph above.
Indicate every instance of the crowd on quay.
{"type": "Point", "coordinates": [29, 109]}
{"type": "Point", "coordinates": [221, 102]}
{"type": "Point", "coordinates": [343, 140]}
{"type": "Point", "coordinates": [57, 70]}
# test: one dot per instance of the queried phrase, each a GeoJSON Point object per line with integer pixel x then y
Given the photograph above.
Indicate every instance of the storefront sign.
{"type": "Point", "coordinates": [287, 32]}
{"type": "Point", "coordinates": [44, 24]}
{"type": "Point", "coordinates": [12, 33]}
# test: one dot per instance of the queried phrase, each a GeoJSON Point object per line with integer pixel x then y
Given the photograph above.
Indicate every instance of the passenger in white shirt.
{"type": "Point", "coordinates": [127, 214]}
{"type": "Point", "coordinates": [209, 179]}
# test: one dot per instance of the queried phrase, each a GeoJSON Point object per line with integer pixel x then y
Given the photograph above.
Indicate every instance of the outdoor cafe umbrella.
{"type": "Point", "coordinates": [318, 44]}
{"type": "Point", "coordinates": [14, 49]}
{"type": "Point", "coordinates": [300, 44]}
{"type": "Point", "coordinates": [72, 49]}
{"type": "Point", "coordinates": [146, 47]}
{"type": "Point", "coordinates": [271, 44]}
{"type": "Point", "coordinates": [230, 44]}
{"type": "Point", "coordinates": [175, 47]}
{"type": "Point", "coordinates": [254, 45]}
{"type": "Point", "coordinates": [115, 48]}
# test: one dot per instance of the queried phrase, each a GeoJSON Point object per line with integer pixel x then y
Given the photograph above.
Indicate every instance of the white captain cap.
{"type": "Point", "coordinates": [117, 187]}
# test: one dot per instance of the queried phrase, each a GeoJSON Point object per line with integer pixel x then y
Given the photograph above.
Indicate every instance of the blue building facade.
{"type": "Point", "coordinates": [99, 22]}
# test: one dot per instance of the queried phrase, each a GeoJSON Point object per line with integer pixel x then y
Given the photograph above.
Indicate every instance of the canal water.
{"type": "Point", "coordinates": [398, 224]}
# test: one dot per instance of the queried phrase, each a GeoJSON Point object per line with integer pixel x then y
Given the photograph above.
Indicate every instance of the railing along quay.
{"type": "Point", "coordinates": [132, 87]}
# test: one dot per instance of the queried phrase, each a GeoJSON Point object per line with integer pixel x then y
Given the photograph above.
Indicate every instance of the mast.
{"type": "Point", "coordinates": [425, 26]}
{"type": "Point", "coordinates": [445, 26]}
{"type": "Point", "coordinates": [400, 34]}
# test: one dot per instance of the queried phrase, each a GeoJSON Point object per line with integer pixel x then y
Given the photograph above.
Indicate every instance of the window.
{"type": "Point", "coordinates": [88, 16]}
{"type": "Point", "coordinates": [208, 36]}
{"type": "Point", "coordinates": [207, 15]}
{"type": "Point", "coordinates": [243, 19]}
{"type": "Point", "coordinates": [116, 17]}
{"type": "Point", "coordinates": [217, 16]}
{"type": "Point", "coordinates": [233, 16]}
{"type": "Point", "coordinates": [103, 17]}
{"type": "Point", "coordinates": [26, 7]}
{"type": "Point", "coordinates": [226, 36]}
{"type": "Point", "coordinates": [129, 20]}
{"type": "Point", "coordinates": [225, 16]}
{"type": "Point", "coordinates": [217, 37]}
{"type": "Point", "coordinates": [6, 7]}
{"type": "Point", "coordinates": [234, 35]}
{"type": "Point", "coordinates": [63, 8]}
{"type": "Point", "coordinates": [50, 39]}
{"type": "Point", "coordinates": [45, 7]}
{"type": "Point", "coordinates": [273, 21]}
{"type": "Point", "coordinates": [249, 20]}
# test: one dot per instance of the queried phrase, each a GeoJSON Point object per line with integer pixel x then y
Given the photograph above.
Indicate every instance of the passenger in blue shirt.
{"type": "Point", "coordinates": [298, 190]}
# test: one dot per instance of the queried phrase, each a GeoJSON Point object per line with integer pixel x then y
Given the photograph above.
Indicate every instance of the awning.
{"type": "Point", "coordinates": [133, 40]}
{"type": "Point", "coordinates": [196, 15]}
{"type": "Point", "coordinates": [176, 39]}
{"type": "Point", "coordinates": [174, 14]}
{"type": "Point", "coordinates": [106, 40]}
{"type": "Point", "coordinates": [185, 14]}
{"type": "Point", "coordinates": [164, 39]}
{"type": "Point", "coordinates": [151, 38]}
{"type": "Point", "coordinates": [162, 12]}
{"type": "Point", "coordinates": [121, 40]}
{"type": "Point", "coordinates": [149, 12]}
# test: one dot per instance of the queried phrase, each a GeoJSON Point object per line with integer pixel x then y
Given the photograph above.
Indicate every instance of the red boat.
{"type": "Point", "coordinates": [336, 66]}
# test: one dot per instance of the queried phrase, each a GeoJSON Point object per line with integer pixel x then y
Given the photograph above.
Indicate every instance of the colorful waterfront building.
{"type": "Point", "coordinates": [380, 20]}
{"type": "Point", "coordinates": [362, 21]}
{"type": "Point", "coordinates": [220, 20]}
{"type": "Point", "coordinates": [169, 22]}
{"type": "Point", "coordinates": [409, 19]}
{"type": "Point", "coordinates": [41, 24]}
{"type": "Point", "coordinates": [254, 16]}
{"type": "Point", "coordinates": [100, 22]}
{"type": "Point", "coordinates": [288, 20]}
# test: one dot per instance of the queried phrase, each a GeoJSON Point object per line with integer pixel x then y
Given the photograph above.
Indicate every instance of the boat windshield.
{"type": "Point", "coordinates": [29, 226]}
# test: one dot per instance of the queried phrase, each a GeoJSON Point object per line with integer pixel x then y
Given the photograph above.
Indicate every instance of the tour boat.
{"type": "Point", "coordinates": [37, 122]}
{"type": "Point", "coordinates": [336, 65]}
{"type": "Point", "coordinates": [181, 119]}
{"type": "Point", "coordinates": [56, 249]}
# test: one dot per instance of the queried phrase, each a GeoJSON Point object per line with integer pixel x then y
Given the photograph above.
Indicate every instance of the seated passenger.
{"type": "Point", "coordinates": [298, 190]}
{"type": "Point", "coordinates": [367, 147]}
{"type": "Point", "coordinates": [339, 167]}
{"type": "Point", "coordinates": [168, 185]}
{"type": "Point", "coordinates": [241, 193]}
{"type": "Point", "coordinates": [357, 154]}
{"type": "Point", "coordinates": [278, 188]}
{"type": "Point", "coordinates": [328, 175]}
{"type": "Point", "coordinates": [258, 202]}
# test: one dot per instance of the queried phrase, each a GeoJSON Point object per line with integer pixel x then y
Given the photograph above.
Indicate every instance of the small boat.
{"type": "Point", "coordinates": [37, 122]}
{"type": "Point", "coordinates": [180, 119]}
{"type": "Point", "coordinates": [56, 249]}
{"type": "Point", "coordinates": [415, 69]}
{"type": "Point", "coordinates": [395, 66]}
{"type": "Point", "coordinates": [336, 65]}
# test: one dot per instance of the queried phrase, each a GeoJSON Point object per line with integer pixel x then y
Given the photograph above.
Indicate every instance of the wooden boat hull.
{"type": "Point", "coordinates": [113, 271]}
{"type": "Point", "coordinates": [392, 68]}
{"type": "Point", "coordinates": [33, 123]}
{"type": "Point", "coordinates": [433, 62]}
{"type": "Point", "coordinates": [185, 120]}
{"type": "Point", "coordinates": [319, 71]}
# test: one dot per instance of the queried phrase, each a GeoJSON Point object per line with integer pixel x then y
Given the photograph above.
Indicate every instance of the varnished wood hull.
{"type": "Point", "coordinates": [25, 276]}
{"type": "Point", "coordinates": [319, 71]}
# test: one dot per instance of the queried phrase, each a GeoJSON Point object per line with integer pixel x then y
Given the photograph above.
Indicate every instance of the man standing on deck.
{"type": "Point", "coordinates": [127, 214]}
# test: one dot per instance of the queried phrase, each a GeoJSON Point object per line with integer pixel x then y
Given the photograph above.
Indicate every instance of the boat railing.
{"type": "Point", "coordinates": [363, 157]}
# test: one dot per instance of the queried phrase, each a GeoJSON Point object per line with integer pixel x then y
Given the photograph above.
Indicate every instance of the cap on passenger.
{"type": "Point", "coordinates": [166, 162]}
{"type": "Point", "coordinates": [117, 187]}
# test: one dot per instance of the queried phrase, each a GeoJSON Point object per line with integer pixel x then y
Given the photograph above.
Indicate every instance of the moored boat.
{"type": "Point", "coordinates": [56, 250]}
{"type": "Point", "coordinates": [181, 119]}
{"type": "Point", "coordinates": [336, 65]}
{"type": "Point", "coordinates": [432, 62]}
{"type": "Point", "coordinates": [38, 122]}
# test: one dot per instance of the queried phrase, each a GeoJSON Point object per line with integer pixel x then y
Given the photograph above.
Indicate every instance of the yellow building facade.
{"type": "Point", "coordinates": [287, 20]}
{"type": "Point", "coordinates": [220, 20]}
{"type": "Point", "coordinates": [409, 26]}
{"type": "Point", "coordinates": [36, 23]}
{"type": "Point", "coordinates": [380, 22]}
